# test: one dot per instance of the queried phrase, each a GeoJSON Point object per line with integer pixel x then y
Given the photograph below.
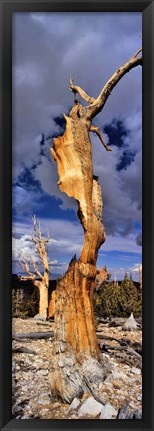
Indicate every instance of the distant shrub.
{"type": "Point", "coordinates": [119, 300]}
{"type": "Point", "coordinates": [21, 315]}
{"type": "Point", "coordinates": [32, 304]}
{"type": "Point", "coordinates": [25, 302]}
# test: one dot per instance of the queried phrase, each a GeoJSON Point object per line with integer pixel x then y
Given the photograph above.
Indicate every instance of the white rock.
{"type": "Point", "coordinates": [135, 370]}
{"type": "Point", "coordinates": [44, 410]}
{"type": "Point", "coordinates": [61, 363]}
{"type": "Point", "coordinates": [139, 398]}
{"type": "Point", "coordinates": [131, 324]}
{"type": "Point", "coordinates": [91, 407]}
{"type": "Point", "coordinates": [42, 372]}
{"type": "Point", "coordinates": [108, 412]}
{"type": "Point", "coordinates": [75, 403]}
{"type": "Point", "coordinates": [114, 365]}
{"type": "Point", "coordinates": [108, 379]}
{"type": "Point", "coordinates": [132, 404]}
{"type": "Point", "coordinates": [41, 401]}
{"type": "Point", "coordinates": [101, 386]}
{"type": "Point", "coordinates": [44, 395]}
{"type": "Point", "coordinates": [39, 317]}
{"type": "Point", "coordinates": [119, 375]}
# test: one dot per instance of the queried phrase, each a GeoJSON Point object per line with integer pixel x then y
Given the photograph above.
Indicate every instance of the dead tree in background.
{"type": "Point", "coordinates": [43, 282]}
{"type": "Point", "coordinates": [76, 347]}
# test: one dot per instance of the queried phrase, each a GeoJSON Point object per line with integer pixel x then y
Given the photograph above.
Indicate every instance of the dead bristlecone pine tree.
{"type": "Point", "coordinates": [40, 280]}
{"type": "Point", "coordinates": [76, 360]}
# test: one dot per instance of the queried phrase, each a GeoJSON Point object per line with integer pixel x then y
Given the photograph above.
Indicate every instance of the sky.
{"type": "Point", "coordinates": [47, 47]}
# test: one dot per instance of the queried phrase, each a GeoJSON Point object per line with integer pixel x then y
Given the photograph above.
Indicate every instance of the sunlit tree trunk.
{"type": "Point", "coordinates": [51, 308]}
{"type": "Point", "coordinates": [76, 355]}
{"type": "Point", "coordinates": [43, 298]}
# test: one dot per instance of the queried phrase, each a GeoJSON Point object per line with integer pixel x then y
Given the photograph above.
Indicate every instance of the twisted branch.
{"type": "Point", "coordinates": [25, 267]}
{"type": "Point", "coordinates": [97, 131]}
{"type": "Point", "coordinates": [93, 109]}
{"type": "Point", "coordinates": [96, 105]}
{"type": "Point", "coordinates": [76, 89]}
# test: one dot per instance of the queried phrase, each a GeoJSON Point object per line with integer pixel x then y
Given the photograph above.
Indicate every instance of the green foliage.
{"type": "Point", "coordinates": [118, 300]}
{"type": "Point", "coordinates": [32, 304]}
{"type": "Point", "coordinates": [26, 303]}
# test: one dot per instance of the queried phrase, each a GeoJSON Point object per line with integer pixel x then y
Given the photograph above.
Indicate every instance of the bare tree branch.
{"type": "Point", "coordinates": [93, 109]}
{"type": "Point", "coordinates": [97, 104]}
{"type": "Point", "coordinates": [25, 267]}
{"type": "Point", "coordinates": [34, 239]}
{"type": "Point", "coordinates": [97, 131]}
{"type": "Point", "coordinates": [26, 277]}
{"type": "Point", "coordinates": [137, 52]}
{"type": "Point", "coordinates": [38, 239]}
{"type": "Point", "coordinates": [37, 272]}
{"type": "Point", "coordinates": [76, 89]}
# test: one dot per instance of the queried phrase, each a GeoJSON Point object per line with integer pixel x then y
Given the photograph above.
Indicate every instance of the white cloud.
{"type": "Point", "coordinates": [137, 267]}
{"type": "Point", "coordinates": [23, 247]}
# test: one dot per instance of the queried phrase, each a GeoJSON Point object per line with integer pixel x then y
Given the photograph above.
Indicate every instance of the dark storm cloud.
{"type": "Point", "coordinates": [46, 48]}
{"type": "Point", "coordinates": [126, 159]}
{"type": "Point", "coordinates": [139, 239]}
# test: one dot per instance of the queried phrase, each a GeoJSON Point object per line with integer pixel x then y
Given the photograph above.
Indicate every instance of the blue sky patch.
{"type": "Point", "coordinates": [116, 132]}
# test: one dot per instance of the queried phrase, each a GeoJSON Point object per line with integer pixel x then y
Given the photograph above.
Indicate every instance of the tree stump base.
{"type": "Point", "coordinates": [70, 379]}
{"type": "Point", "coordinates": [76, 362]}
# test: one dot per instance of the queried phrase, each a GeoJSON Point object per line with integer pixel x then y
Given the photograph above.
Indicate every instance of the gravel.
{"type": "Point", "coordinates": [31, 394]}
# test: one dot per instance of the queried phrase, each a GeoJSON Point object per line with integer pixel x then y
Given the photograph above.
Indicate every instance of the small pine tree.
{"type": "Point", "coordinates": [119, 301]}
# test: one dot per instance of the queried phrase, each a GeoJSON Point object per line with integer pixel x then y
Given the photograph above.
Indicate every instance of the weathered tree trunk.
{"type": "Point", "coordinates": [76, 354]}
{"type": "Point", "coordinates": [51, 308]}
{"type": "Point", "coordinates": [74, 319]}
{"type": "Point", "coordinates": [76, 346]}
{"type": "Point", "coordinates": [43, 301]}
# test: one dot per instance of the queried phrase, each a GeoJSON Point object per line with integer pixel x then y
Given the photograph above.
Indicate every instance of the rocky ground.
{"type": "Point", "coordinates": [31, 391]}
